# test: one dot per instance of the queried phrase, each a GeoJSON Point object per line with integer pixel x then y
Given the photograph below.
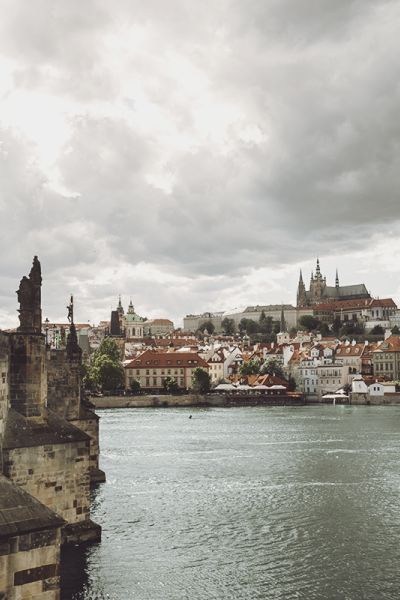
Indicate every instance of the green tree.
{"type": "Point", "coordinates": [87, 378]}
{"type": "Point", "coordinates": [291, 384]}
{"type": "Point", "coordinates": [228, 326]}
{"type": "Point", "coordinates": [265, 323]}
{"type": "Point", "coordinates": [207, 325]}
{"type": "Point", "coordinates": [108, 347]}
{"type": "Point", "coordinates": [272, 367]}
{"type": "Point", "coordinates": [201, 381]}
{"type": "Point", "coordinates": [377, 330]}
{"type": "Point", "coordinates": [336, 325]}
{"type": "Point", "coordinates": [395, 330]}
{"type": "Point", "coordinates": [276, 327]}
{"type": "Point", "coordinates": [135, 386]}
{"type": "Point", "coordinates": [352, 328]}
{"type": "Point", "coordinates": [252, 367]}
{"type": "Point", "coordinates": [309, 322]}
{"type": "Point", "coordinates": [324, 329]}
{"type": "Point", "coordinates": [170, 385]}
{"type": "Point", "coordinates": [107, 373]}
{"type": "Point", "coordinates": [105, 370]}
{"type": "Point", "coordinates": [248, 326]}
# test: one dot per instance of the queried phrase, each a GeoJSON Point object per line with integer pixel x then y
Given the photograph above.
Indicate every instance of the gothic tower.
{"type": "Point", "coordinates": [317, 285]}
{"type": "Point", "coordinates": [301, 292]}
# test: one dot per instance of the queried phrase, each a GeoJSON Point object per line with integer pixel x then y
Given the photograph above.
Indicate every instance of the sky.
{"type": "Point", "coordinates": [193, 156]}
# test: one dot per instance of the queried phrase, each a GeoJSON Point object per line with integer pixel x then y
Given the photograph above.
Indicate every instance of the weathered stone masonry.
{"type": "Point", "coordinates": [48, 453]}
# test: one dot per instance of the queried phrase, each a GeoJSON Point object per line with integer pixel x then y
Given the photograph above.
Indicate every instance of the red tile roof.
{"type": "Point", "coordinates": [149, 358]}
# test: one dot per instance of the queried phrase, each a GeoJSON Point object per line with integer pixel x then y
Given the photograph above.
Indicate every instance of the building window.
{"type": "Point", "coordinates": [154, 380]}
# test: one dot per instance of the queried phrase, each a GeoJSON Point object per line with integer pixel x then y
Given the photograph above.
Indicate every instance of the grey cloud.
{"type": "Point", "coordinates": [318, 79]}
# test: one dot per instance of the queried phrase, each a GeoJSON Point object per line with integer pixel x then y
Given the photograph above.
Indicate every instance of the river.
{"type": "Point", "coordinates": [244, 503]}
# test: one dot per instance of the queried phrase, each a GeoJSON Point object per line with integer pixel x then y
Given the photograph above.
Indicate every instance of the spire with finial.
{"type": "Point", "coordinates": [318, 270]}
{"type": "Point", "coordinates": [301, 291]}
{"type": "Point", "coordinates": [337, 279]}
{"type": "Point", "coordinates": [120, 308]}
{"type": "Point", "coordinates": [131, 308]}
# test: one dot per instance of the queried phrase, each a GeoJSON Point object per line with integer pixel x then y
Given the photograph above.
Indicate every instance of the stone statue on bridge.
{"type": "Point", "coordinates": [29, 298]}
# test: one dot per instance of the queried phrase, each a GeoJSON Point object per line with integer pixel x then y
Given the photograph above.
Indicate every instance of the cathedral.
{"type": "Point", "coordinates": [320, 293]}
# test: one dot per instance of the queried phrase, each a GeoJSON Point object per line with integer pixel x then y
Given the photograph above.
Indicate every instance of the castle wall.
{"type": "Point", "coordinates": [29, 566]}
{"type": "Point", "coordinates": [56, 474]}
{"type": "Point", "coordinates": [28, 378]}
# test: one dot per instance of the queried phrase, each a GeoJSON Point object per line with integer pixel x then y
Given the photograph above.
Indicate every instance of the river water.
{"type": "Point", "coordinates": [245, 503]}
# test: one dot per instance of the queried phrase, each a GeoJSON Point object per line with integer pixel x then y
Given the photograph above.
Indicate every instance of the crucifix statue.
{"type": "Point", "coordinates": [70, 308]}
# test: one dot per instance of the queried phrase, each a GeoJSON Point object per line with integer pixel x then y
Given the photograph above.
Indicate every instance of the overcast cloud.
{"type": "Point", "coordinates": [194, 155]}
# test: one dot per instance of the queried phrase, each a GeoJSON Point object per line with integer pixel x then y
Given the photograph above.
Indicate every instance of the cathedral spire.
{"type": "Point", "coordinates": [301, 291]}
{"type": "Point", "coordinates": [337, 279]}
{"type": "Point", "coordinates": [318, 271]}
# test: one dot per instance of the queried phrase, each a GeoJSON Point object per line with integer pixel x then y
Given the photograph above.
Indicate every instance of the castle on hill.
{"type": "Point", "coordinates": [319, 292]}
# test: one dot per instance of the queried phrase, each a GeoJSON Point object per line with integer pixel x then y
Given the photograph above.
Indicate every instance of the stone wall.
{"type": "Point", "coordinates": [388, 399]}
{"type": "Point", "coordinates": [4, 399]}
{"type": "Point", "coordinates": [90, 425]}
{"type": "Point", "coordinates": [29, 566]}
{"type": "Point", "coordinates": [63, 384]}
{"type": "Point", "coordinates": [28, 378]}
{"type": "Point", "coordinates": [56, 474]}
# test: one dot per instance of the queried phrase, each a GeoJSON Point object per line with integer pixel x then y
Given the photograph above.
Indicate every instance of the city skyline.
{"type": "Point", "coordinates": [139, 153]}
{"type": "Point", "coordinates": [152, 313]}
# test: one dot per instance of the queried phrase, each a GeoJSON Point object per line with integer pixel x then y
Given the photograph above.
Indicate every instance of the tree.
{"type": "Point", "coordinates": [352, 328]}
{"type": "Point", "coordinates": [291, 384]}
{"type": "Point", "coordinates": [248, 326]}
{"type": "Point", "coordinates": [377, 330]}
{"type": "Point", "coordinates": [272, 368]}
{"type": "Point", "coordinates": [87, 378]}
{"type": "Point", "coordinates": [395, 330]}
{"type": "Point", "coordinates": [109, 348]}
{"type": "Point", "coordinates": [324, 329]}
{"type": "Point", "coordinates": [228, 326]}
{"type": "Point", "coordinates": [265, 323]}
{"type": "Point", "coordinates": [135, 386]}
{"type": "Point", "coordinates": [107, 373]}
{"type": "Point", "coordinates": [201, 381]}
{"type": "Point", "coordinates": [336, 325]}
{"type": "Point", "coordinates": [309, 322]}
{"type": "Point", "coordinates": [170, 385]}
{"type": "Point", "coordinates": [207, 325]}
{"type": "Point", "coordinates": [252, 367]}
{"type": "Point", "coordinates": [276, 327]}
{"type": "Point", "coordinates": [105, 370]}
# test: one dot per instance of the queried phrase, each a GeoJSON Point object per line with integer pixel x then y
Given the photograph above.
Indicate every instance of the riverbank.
{"type": "Point", "coordinates": [218, 400]}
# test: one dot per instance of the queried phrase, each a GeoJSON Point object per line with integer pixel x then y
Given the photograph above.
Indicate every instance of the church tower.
{"type": "Point", "coordinates": [317, 285]}
{"type": "Point", "coordinates": [301, 292]}
{"type": "Point", "coordinates": [120, 308]}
